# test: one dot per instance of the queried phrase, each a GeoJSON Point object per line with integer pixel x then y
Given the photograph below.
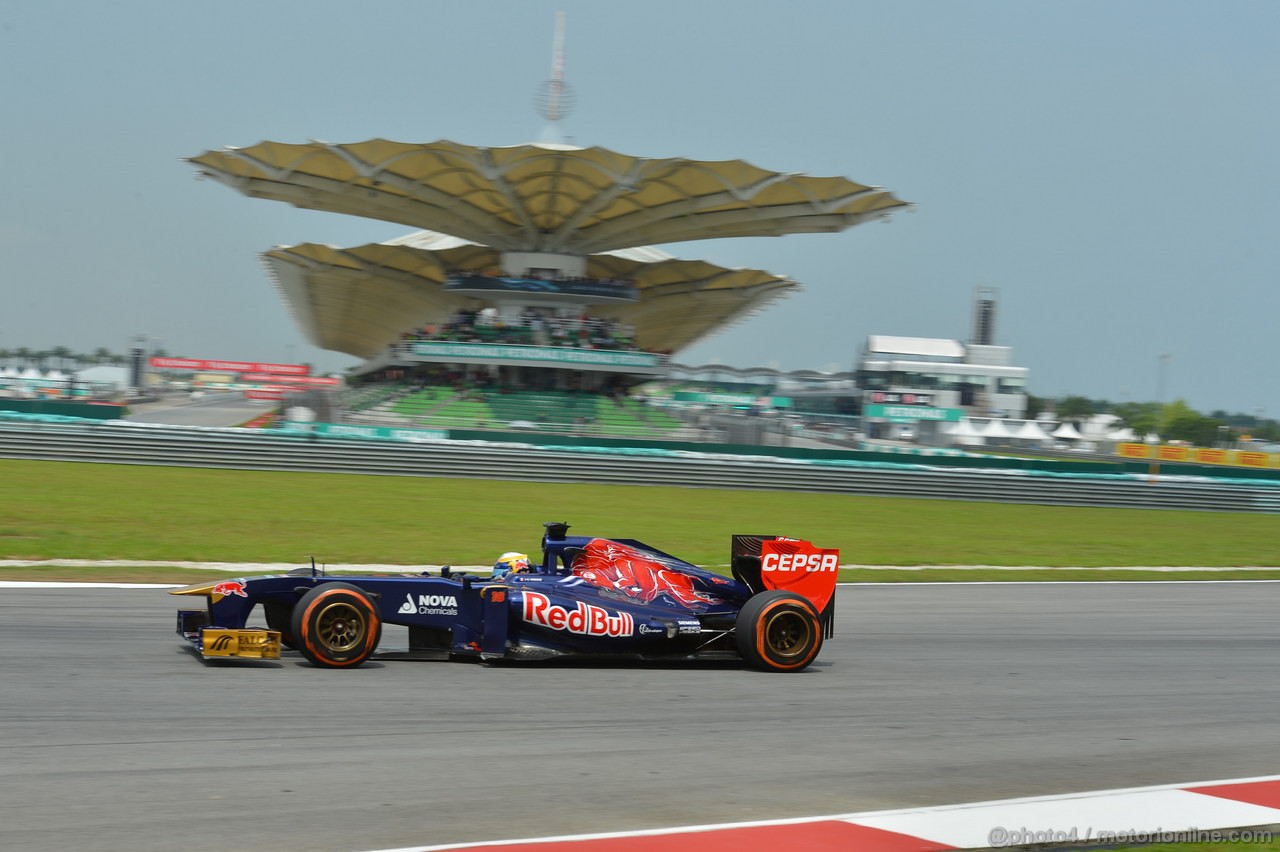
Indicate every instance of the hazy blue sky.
{"type": "Point", "coordinates": [1110, 167]}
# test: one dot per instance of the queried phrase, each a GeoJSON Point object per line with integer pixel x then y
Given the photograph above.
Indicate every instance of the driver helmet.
{"type": "Point", "coordinates": [511, 562]}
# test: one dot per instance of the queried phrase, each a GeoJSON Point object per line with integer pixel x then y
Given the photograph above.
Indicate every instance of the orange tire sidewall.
{"type": "Point", "coordinates": [371, 617]}
{"type": "Point", "coordinates": [762, 649]}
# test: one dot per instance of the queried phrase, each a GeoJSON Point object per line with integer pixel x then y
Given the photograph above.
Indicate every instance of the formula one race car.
{"type": "Point", "coordinates": [589, 596]}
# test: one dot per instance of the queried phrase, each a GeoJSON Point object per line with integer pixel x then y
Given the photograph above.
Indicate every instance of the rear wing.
{"type": "Point", "coordinates": [763, 562]}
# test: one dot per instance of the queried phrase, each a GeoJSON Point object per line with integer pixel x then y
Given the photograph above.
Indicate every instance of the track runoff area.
{"type": "Point", "coordinates": [1204, 812]}
{"type": "Point", "coordinates": [1243, 810]}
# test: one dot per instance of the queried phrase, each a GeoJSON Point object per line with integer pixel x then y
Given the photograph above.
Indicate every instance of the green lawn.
{"type": "Point", "coordinates": [178, 574]}
{"type": "Point", "coordinates": [96, 511]}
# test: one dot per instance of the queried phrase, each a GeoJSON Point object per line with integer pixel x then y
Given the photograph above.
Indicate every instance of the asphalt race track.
{"type": "Point", "coordinates": [214, 408]}
{"type": "Point", "coordinates": [113, 737]}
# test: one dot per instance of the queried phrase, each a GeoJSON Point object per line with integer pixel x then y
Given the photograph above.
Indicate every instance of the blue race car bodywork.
{"type": "Point", "coordinates": [587, 597]}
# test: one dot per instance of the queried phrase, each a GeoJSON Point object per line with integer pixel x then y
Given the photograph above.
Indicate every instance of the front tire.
{"type": "Point", "coordinates": [778, 631]}
{"type": "Point", "coordinates": [336, 626]}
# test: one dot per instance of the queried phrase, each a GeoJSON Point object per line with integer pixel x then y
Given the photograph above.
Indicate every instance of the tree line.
{"type": "Point", "coordinates": [63, 358]}
{"type": "Point", "coordinates": [1172, 421]}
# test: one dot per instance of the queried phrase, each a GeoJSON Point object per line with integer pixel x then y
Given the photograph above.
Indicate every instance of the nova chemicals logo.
{"type": "Point", "coordinates": [429, 605]}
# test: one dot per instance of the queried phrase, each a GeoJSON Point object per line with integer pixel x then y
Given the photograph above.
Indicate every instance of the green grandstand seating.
{"type": "Point", "coordinates": [419, 402]}
{"type": "Point", "coordinates": [368, 396]}
{"type": "Point", "coordinates": [556, 411]}
{"type": "Point", "coordinates": [460, 413]}
{"type": "Point", "coordinates": [445, 408]}
{"type": "Point", "coordinates": [543, 407]}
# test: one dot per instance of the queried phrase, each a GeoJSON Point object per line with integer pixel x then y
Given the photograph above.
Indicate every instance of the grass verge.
{"type": "Point", "coordinates": [161, 574]}
{"type": "Point", "coordinates": [51, 510]}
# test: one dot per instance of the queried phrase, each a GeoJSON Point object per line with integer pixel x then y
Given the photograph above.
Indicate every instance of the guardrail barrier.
{"type": "Point", "coordinates": [123, 442]}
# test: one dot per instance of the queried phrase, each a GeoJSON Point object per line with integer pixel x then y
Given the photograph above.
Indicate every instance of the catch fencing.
{"type": "Point", "coordinates": [144, 444]}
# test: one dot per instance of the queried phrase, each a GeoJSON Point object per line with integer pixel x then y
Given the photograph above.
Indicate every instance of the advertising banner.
{"type": "Point", "coordinates": [196, 364]}
{"type": "Point", "coordinates": [742, 399]}
{"type": "Point", "coordinates": [1198, 455]}
{"type": "Point", "coordinates": [310, 381]}
{"type": "Point", "coordinates": [1208, 456]}
{"type": "Point", "coordinates": [346, 430]}
{"type": "Point", "coordinates": [894, 398]}
{"type": "Point", "coordinates": [549, 354]}
{"type": "Point", "coordinates": [585, 288]}
{"type": "Point", "coordinates": [911, 413]}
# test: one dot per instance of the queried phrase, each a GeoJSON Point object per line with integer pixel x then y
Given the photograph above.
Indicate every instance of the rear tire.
{"type": "Point", "coordinates": [336, 626]}
{"type": "Point", "coordinates": [778, 631]}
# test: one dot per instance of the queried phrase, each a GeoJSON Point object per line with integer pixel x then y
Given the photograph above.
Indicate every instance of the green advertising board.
{"type": "Point", "coordinates": [911, 413]}
{"type": "Point", "coordinates": [548, 354]}
{"type": "Point", "coordinates": [743, 399]}
{"type": "Point", "coordinates": [385, 433]}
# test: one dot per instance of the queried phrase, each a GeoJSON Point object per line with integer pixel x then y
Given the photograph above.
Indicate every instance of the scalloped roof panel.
{"type": "Point", "coordinates": [357, 300]}
{"type": "Point", "coordinates": [552, 198]}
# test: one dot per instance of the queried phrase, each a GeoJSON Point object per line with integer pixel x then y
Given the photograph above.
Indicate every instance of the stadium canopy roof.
{"type": "Point", "coordinates": [546, 198]}
{"type": "Point", "coordinates": [358, 300]}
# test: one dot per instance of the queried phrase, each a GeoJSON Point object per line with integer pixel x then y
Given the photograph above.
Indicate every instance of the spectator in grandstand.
{"type": "Point", "coordinates": [541, 326]}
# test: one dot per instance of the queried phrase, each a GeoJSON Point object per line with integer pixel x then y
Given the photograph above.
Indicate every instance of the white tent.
{"type": "Point", "coordinates": [117, 377]}
{"type": "Point", "coordinates": [996, 429]}
{"type": "Point", "coordinates": [963, 429]}
{"type": "Point", "coordinates": [1097, 426]}
{"type": "Point", "coordinates": [1125, 434]}
{"type": "Point", "coordinates": [963, 433]}
{"type": "Point", "coordinates": [1030, 431]}
{"type": "Point", "coordinates": [1067, 431]}
{"type": "Point", "coordinates": [29, 373]}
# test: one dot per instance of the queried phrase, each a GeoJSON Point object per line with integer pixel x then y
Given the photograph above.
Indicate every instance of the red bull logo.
{"type": "Point", "coordinates": [585, 619]}
{"type": "Point", "coordinates": [611, 565]}
{"type": "Point", "coordinates": [231, 587]}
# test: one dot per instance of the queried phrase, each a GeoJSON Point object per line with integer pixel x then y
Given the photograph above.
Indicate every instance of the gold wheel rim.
{"type": "Point", "coordinates": [788, 634]}
{"type": "Point", "coordinates": [341, 627]}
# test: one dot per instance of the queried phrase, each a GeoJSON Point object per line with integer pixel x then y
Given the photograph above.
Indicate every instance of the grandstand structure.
{"type": "Point", "coordinates": [530, 294]}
